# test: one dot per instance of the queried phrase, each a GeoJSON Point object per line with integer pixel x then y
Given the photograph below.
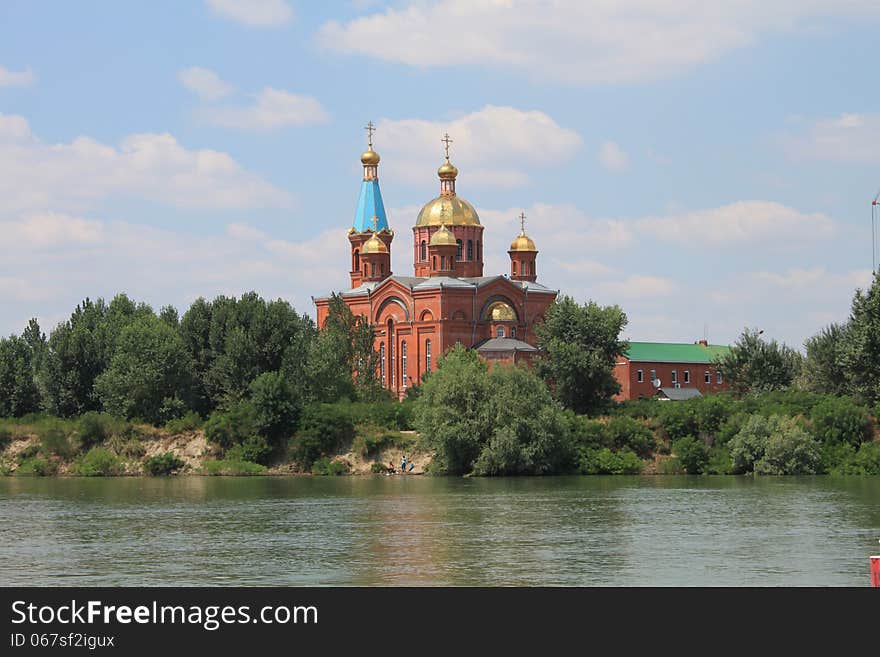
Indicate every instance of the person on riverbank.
{"type": "Point", "coordinates": [403, 465]}
{"type": "Point", "coordinates": [412, 464]}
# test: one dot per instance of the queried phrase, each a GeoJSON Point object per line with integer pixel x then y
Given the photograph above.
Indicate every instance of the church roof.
{"type": "Point", "coordinates": [503, 344]}
{"type": "Point", "coordinates": [436, 282]}
{"type": "Point", "coordinates": [370, 205]}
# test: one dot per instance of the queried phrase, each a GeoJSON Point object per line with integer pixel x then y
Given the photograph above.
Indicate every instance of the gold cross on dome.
{"type": "Point", "coordinates": [446, 140]}
{"type": "Point", "coordinates": [522, 221]}
{"type": "Point", "coordinates": [370, 128]}
{"type": "Point", "coordinates": [375, 224]}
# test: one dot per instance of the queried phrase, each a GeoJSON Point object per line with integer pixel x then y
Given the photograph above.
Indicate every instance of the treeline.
{"type": "Point", "coordinates": [124, 359]}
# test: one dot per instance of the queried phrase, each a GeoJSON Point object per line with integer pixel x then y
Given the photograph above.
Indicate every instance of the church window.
{"type": "Point", "coordinates": [357, 260]}
{"type": "Point", "coordinates": [514, 267]}
{"type": "Point", "coordinates": [499, 332]}
{"type": "Point", "coordinates": [513, 331]}
{"type": "Point", "coordinates": [470, 252]}
{"type": "Point", "coordinates": [424, 250]}
{"type": "Point", "coordinates": [435, 262]}
{"type": "Point", "coordinates": [381, 269]}
{"type": "Point", "coordinates": [365, 269]}
{"type": "Point", "coordinates": [427, 355]}
{"type": "Point", "coordinates": [640, 376]}
{"type": "Point", "coordinates": [458, 253]}
{"type": "Point", "coordinates": [403, 363]}
{"type": "Point", "coordinates": [373, 268]}
{"type": "Point", "coordinates": [382, 362]}
{"type": "Point", "coordinates": [522, 267]}
{"type": "Point", "coordinates": [687, 376]}
{"type": "Point", "coordinates": [479, 250]}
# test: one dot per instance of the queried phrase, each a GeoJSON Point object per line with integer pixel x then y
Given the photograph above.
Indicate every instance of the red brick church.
{"type": "Point", "coordinates": [447, 299]}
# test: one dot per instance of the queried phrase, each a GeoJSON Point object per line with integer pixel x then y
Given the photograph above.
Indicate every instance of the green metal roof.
{"type": "Point", "coordinates": [665, 352]}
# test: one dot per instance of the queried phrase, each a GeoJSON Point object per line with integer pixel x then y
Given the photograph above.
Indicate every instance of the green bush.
{"type": "Point", "coordinates": [789, 451]}
{"type": "Point", "coordinates": [36, 466]}
{"type": "Point", "coordinates": [729, 428]}
{"type": "Point", "coordinates": [323, 428]}
{"type": "Point", "coordinates": [98, 462]}
{"type": "Point", "coordinates": [369, 443]}
{"type": "Point", "coordinates": [232, 427]}
{"type": "Point", "coordinates": [233, 468]}
{"type": "Point", "coordinates": [834, 455]}
{"type": "Point", "coordinates": [277, 405]}
{"type": "Point", "coordinates": [95, 428]}
{"type": "Point", "coordinates": [840, 420]}
{"type": "Point", "coordinates": [29, 452]}
{"type": "Point", "coordinates": [604, 461]}
{"type": "Point", "coordinates": [54, 441]}
{"type": "Point", "coordinates": [670, 466]}
{"type": "Point", "coordinates": [678, 419]}
{"type": "Point", "coordinates": [325, 467]}
{"type": "Point", "coordinates": [719, 462]}
{"type": "Point", "coordinates": [586, 432]}
{"type": "Point", "coordinates": [627, 433]}
{"type": "Point", "coordinates": [864, 462]}
{"type": "Point", "coordinates": [378, 468]}
{"type": "Point", "coordinates": [189, 422]}
{"type": "Point", "coordinates": [692, 454]}
{"type": "Point", "coordinates": [254, 449]}
{"type": "Point", "coordinates": [711, 412]}
{"type": "Point", "coordinates": [162, 464]}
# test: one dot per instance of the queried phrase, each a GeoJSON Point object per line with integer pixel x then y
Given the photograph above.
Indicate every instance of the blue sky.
{"type": "Point", "coordinates": [706, 168]}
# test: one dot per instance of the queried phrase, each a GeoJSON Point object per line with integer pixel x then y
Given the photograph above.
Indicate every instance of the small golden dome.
{"type": "Point", "coordinates": [443, 238]}
{"type": "Point", "coordinates": [449, 210]}
{"type": "Point", "coordinates": [523, 243]}
{"type": "Point", "coordinates": [370, 157]}
{"type": "Point", "coordinates": [501, 312]}
{"type": "Point", "coordinates": [447, 170]}
{"type": "Point", "coordinates": [374, 245]}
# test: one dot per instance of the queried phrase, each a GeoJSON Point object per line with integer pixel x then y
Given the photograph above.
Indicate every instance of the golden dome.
{"type": "Point", "coordinates": [501, 312]}
{"type": "Point", "coordinates": [374, 245]}
{"type": "Point", "coordinates": [523, 243]}
{"type": "Point", "coordinates": [449, 210]}
{"type": "Point", "coordinates": [443, 238]}
{"type": "Point", "coordinates": [447, 170]}
{"type": "Point", "coordinates": [370, 157]}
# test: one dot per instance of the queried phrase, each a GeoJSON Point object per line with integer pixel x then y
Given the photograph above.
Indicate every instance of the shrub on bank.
{"type": "Point", "coordinates": [323, 428]}
{"type": "Point", "coordinates": [604, 461]}
{"type": "Point", "coordinates": [95, 428]}
{"type": "Point", "coordinates": [692, 454]}
{"type": "Point", "coordinates": [36, 466]}
{"type": "Point", "coordinates": [864, 462]}
{"type": "Point", "coordinates": [233, 468]}
{"type": "Point", "coordinates": [188, 422]}
{"type": "Point", "coordinates": [162, 464]}
{"type": "Point", "coordinates": [98, 462]}
{"type": "Point", "coordinates": [55, 442]}
{"type": "Point", "coordinates": [840, 420]}
{"type": "Point", "coordinates": [325, 467]}
{"type": "Point", "coordinates": [627, 433]}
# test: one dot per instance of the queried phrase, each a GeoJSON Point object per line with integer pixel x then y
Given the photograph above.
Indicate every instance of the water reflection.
{"type": "Point", "coordinates": [434, 531]}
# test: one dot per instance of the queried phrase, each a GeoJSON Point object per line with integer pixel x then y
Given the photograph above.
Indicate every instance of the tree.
{"type": "Point", "coordinates": [755, 365]}
{"type": "Point", "coordinates": [861, 351]}
{"type": "Point", "coordinates": [824, 370]}
{"type": "Point", "coordinates": [18, 390]}
{"type": "Point", "coordinates": [530, 434]}
{"type": "Point", "coordinates": [277, 405]}
{"type": "Point", "coordinates": [774, 445]}
{"type": "Point", "coordinates": [454, 412]}
{"type": "Point", "coordinates": [149, 376]}
{"type": "Point", "coordinates": [580, 345]}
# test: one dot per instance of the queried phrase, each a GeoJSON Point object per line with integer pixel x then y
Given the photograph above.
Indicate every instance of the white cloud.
{"type": "Point", "coordinates": [739, 223]}
{"type": "Point", "coordinates": [205, 83]}
{"type": "Point", "coordinates": [156, 167]}
{"type": "Point", "coordinates": [253, 13]}
{"type": "Point", "coordinates": [636, 286]}
{"type": "Point", "coordinates": [16, 79]}
{"type": "Point", "coordinates": [613, 157]}
{"type": "Point", "coordinates": [851, 138]}
{"type": "Point", "coordinates": [273, 108]}
{"type": "Point", "coordinates": [575, 41]}
{"type": "Point", "coordinates": [492, 146]}
{"type": "Point", "coordinates": [59, 259]}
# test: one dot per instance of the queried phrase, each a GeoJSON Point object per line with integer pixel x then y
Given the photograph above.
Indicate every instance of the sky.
{"type": "Point", "coordinates": [705, 166]}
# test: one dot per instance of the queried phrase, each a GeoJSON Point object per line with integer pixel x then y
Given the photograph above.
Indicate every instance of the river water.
{"type": "Point", "coordinates": [427, 531]}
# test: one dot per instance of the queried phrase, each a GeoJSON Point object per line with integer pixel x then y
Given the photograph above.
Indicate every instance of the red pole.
{"type": "Point", "coordinates": [875, 572]}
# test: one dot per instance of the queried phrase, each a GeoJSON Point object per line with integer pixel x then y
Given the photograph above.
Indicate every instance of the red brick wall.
{"type": "Point", "coordinates": [626, 373]}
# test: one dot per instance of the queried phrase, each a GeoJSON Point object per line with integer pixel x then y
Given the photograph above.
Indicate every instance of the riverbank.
{"type": "Point", "coordinates": [40, 450]}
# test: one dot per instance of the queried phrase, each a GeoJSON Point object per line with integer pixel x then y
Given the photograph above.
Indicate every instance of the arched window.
{"type": "Point", "coordinates": [513, 263]}
{"type": "Point", "coordinates": [458, 253]}
{"type": "Point", "coordinates": [427, 355]}
{"type": "Point", "coordinates": [479, 250]}
{"type": "Point", "coordinates": [522, 267]}
{"type": "Point", "coordinates": [499, 332]}
{"type": "Point", "coordinates": [357, 260]}
{"type": "Point", "coordinates": [513, 331]}
{"type": "Point", "coordinates": [381, 269]}
{"type": "Point", "coordinates": [403, 363]}
{"type": "Point", "coordinates": [382, 362]}
{"type": "Point", "coordinates": [373, 268]}
{"type": "Point", "coordinates": [435, 262]}
{"type": "Point", "coordinates": [470, 250]}
{"type": "Point", "coordinates": [442, 262]}
{"type": "Point", "coordinates": [424, 250]}
{"type": "Point", "coordinates": [391, 364]}
{"type": "Point", "coordinates": [365, 269]}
